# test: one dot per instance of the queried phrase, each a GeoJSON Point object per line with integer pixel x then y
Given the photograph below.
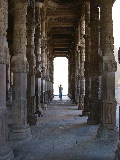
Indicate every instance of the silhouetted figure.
{"type": "Point", "coordinates": [60, 91]}
{"type": "Point", "coordinates": [119, 55]}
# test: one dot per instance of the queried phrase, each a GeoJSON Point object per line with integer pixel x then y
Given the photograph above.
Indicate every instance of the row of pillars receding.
{"type": "Point", "coordinates": [94, 67]}
{"type": "Point", "coordinates": [92, 75]}
{"type": "Point", "coordinates": [31, 66]}
{"type": "Point", "coordinates": [95, 70]}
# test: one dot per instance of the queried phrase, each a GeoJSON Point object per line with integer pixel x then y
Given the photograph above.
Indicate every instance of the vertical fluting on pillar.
{"type": "Point", "coordinates": [38, 53]}
{"type": "Point", "coordinates": [94, 117]}
{"type": "Point", "coordinates": [82, 58]}
{"type": "Point", "coordinates": [107, 129]}
{"type": "Point", "coordinates": [20, 129]}
{"type": "Point", "coordinates": [31, 99]}
{"type": "Point", "coordinates": [86, 109]}
{"type": "Point", "coordinates": [5, 151]}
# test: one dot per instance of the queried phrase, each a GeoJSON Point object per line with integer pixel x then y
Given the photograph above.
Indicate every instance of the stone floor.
{"type": "Point", "coordinates": [63, 135]}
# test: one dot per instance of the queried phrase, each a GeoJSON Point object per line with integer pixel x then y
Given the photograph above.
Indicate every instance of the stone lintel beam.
{"type": "Point", "coordinates": [57, 13]}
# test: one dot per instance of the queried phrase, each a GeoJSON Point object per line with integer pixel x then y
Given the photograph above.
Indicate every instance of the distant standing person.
{"type": "Point", "coordinates": [60, 91]}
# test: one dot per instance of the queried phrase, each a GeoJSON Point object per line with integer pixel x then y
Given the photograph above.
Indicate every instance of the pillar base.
{"type": "Point", "coordinates": [93, 121]}
{"type": "Point", "coordinates": [107, 133]}
{"type": "Point", "coordinates": [6, 153]}
{"type": "Point", "coordinates": [21, 133]}
{"type": "Point", "coordinates": [117, 152]}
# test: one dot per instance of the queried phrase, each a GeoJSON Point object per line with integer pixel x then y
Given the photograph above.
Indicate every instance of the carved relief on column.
{"type": "Point", "coordinates": [5, 151]}
{"type": "Point", "coordinates": [20, 129]}
{"type": "Point", "coordinates": [19, 60]}
{"type": "Point", "coordinates": [94, 117]}
{"type": "Point", "coordinates": [86, 109]}
{"type": "Point", "coordinates": [107, 128]}
{"type": "Point", "coordinates": [38, 6]}
{"type": "Point", "coordinates": [31, 99]}
{"type": "Point", "coordinates": [82, 59]}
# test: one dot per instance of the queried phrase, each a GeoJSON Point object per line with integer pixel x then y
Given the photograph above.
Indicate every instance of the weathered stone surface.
{"type": "Point", "coordinates": [94, 117]}
{"type": "Point", "coordinates": [107, 128]}
{"type": "Point", "coordinates": [20, 129]}
{"type": "Point", "coordinates": [86, 109]}
{"type": "Point", "coordinates": [6, 152]}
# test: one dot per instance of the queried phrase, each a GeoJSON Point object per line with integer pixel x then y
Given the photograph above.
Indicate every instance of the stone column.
{"type": "Point", "coordinates": [20, 129]}
{"type": "Point", "coordinates": [31, 99]}
{"type": "Point", "coordinates": [82, 59]}
{"type": "Point", "coordinates": [76, 68]}
{"type": "Point", "coordinates": [5, 151]}
{"type": "Point", "coordinates": [107, 129]}
{"type": "Point", "coordinates": [79, 65]}
{"type": "Point", "coordinates": [86, 109]}
{"type": "Point", "coordinates": [38, 53]}
{"type": "Point", "coordinates": [44, 65]}
{"type": "Point", "coordinates": [94, 117]}
{"type": "Point", "coordinates": [73, 75]}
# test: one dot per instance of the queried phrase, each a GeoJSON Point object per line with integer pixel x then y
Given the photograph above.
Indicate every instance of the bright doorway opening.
{"type": "Point", "coordinates": [60, 75]}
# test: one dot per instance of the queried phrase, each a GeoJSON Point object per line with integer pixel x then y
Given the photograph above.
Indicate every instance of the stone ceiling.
{"type": "Point", "coordinates": [62, 21]}
{"type": "Point", "coordinates": [62, 18]}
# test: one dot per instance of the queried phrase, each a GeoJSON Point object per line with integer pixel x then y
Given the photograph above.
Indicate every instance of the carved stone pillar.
{"type": "Point", "coordinates": [86, 109]}
{"type": "Point", "coordinates": [94, 117]}
{"type": "Point", "coordinates": [82, 59]}
{"type": "Point", "coordinates": [44, 58]}
{"type": "Point", "coordinates": [38, 7]}
{"type": "Point", "coordinates": [77, 79]}
{"type": "Point", "coordinates": [76, 68]}
{"type": "Point", "coordinates": [78, 65]}
{"type": "Point", "coordinates": [20, 129]}
{"type": "Point", "coordinates": [5, 151]}
{"type": "Point", "coordinates": [72, 63]}
{"type": "Point", "coordinates": [107, 128]}
{"type": "Point", "coordinates": [31, 99]}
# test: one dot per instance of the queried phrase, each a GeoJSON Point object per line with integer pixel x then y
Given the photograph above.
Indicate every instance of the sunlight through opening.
{"type": "Point", "coordinates": [60, 75]}
{"type": "Point", "coordinates": [116, 34]}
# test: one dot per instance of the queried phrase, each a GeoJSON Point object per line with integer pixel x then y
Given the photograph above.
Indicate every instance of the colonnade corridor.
{"type": "Point", "coordinates": [62, 134]}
